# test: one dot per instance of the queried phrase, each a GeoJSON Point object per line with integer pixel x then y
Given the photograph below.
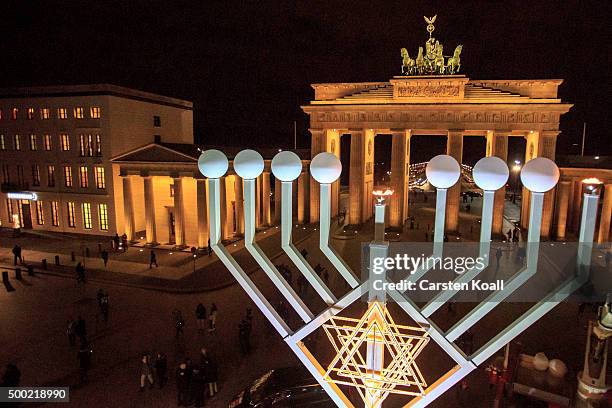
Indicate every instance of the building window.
{"type": "Point", "coordinates": [45, 113]}
{"type": "Point", "coordinates": [84, 180]}
{"type": "Point", "coordinates": [87, 146]}
{"type": "Point", "coordinates": [33, 143]}
{"type": "Point", "coordinates": [20, 178]}
{"type": "Point", "coordinates": [55, 213]}
{"type": "Point", "coordinates": [35, 175]}
{"type": "Point", "coordinates": [79, 112]}
{"type": "Point", "coordinates": [6, 175]}
{"type": "Point", "coordinates": [51, 175]}
{"type": "Point", "coordinates": [103, 216]}
{"type": "Point", "coordinates": [9, 209]}
{"type": "Point", "coordinates": [65, 142]}
{"type": "Point", "coordinates": [99, 175]}
{"type": "Point", "coordinates": [157, 121]}
{"type": "Point", "coordinates": [2, 143]}
{"type": "Point", "coordinates": [86, 207]}
{"type": "Point", "coordinates": [94, 112]}
{"type": "Point", "coordinates": [98, 146]}
{"type": "Point", "coordinates": [48, 142]}
{"type": "Point", "coordinates": [62, 113]}
{"type": "Point", "coordinates": [17, 142]}
{"type": "Point", "coordinates": [14, 113]}
{"type": "Point", "coordinates": [71, 220]}
{"type": "Point", "coordinates": [40, 214]}
{"type": "Point", "coordinates": [30, 113]}
{"type": "Point", "coordinates": [68, 176]}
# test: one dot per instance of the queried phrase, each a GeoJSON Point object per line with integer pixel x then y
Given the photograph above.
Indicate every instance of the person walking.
{"type": "Point", "coordinates": [80, 271]}
{"type": "Point", "coordinates": [116, 242]}
{"type": "Point", "coordinates": [243, 337]}
{"type": "Point", "coordinates": [161, 369]}
{"type": "Point", "coordinates": [211, 377]}
{"type": "Point", "coordinates": [198, 384]}
{"type": "Point", "coordinates": [179, 322]}
{"type": "Point", "coordinates": [146, 372]}
{"type": "Point", "coordinates": [153, 260]}
{"type": "Point", "coordinates": [104, 256]}
{"type": "Point", "coordinates": [200, 313]}
{"type": "Point", "coordinates": [124, 242]}
{"type": "Point", "coordinates": [84, 358]}
{"type": "Point", "coordinates": [183, 381]}
{"type": "Point", "coordinates": [212, 319]}
{"type": "Point", "coordinates": [17, 254]}
{"type": "Point", "coordinates": [209, 248]}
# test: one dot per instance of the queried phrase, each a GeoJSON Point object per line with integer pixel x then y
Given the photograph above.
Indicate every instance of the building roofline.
{"type": "Point", "coordinates": [91, 90]}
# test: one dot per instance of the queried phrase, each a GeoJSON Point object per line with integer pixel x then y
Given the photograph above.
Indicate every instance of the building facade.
{"type": "Point", "coordinates": [55, 149]}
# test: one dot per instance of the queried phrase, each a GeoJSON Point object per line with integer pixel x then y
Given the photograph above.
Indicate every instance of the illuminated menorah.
{"type": "Point", "coordinates": [388, 364]}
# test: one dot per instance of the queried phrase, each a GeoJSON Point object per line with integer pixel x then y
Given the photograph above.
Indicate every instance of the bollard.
{"type": "Point", "coordinates": [57, 261]}
{"type": "Point", "coordinates": [72, 257]}
{"type": "Point", "coordinates": [44, 264]}
{"type": "Point", "coordinates": [87, 252]}
{"type": "Point", "coordinates": [5, 277]}
{"type": "Point", "coordinates": [18, 273]}
{"type": "Point", "coordinates": [31, 269]}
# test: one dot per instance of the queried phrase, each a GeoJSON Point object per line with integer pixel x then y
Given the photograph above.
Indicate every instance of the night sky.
{"type": "Point", "coordinates": [248, 65]}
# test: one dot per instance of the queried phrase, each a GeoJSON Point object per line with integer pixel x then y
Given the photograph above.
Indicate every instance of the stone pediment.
{"type": "Point", "coordinates": [155, 153]}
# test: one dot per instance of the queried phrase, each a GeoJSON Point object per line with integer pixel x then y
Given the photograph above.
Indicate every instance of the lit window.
{"type": "Point", "coordinates": [55, 213]}
{"type": "Point", "coordinates": [62, 113]}
{"type": "Point", "coordinates": [17, 142]}
{"type": "Point", "coordinates": [94, 112]}
{"type": "Point", "coordinates": [2, 143]}
{"type": "Point", "coordinates": [30, 113]}
{"type": "Point", "coordinates": [14, 113]}
{"type": "Point", "coordinates": [103, 216]}
{"type": "Point", "coordinates": [45, 113]}
{"type": "Point", "coordinates": [65, 142]}
{"type": "Point", "coordinates": [48, 142]}
{"type": "Point", "coordinates": [79, 112]}
{"type": "Point", "coordinates": [51, 175]}
{"type": "Point", "coordinates": [20, 178]}
{"type": "Point", "coordinates": [33, 143]}
{"type": "Point", "coordinates": [157, 121]}
{"type": "Point", "coordinates": [71, 220]}
{"type": "Point", "coordinates": [68, 176]}
{"type": "Point", "coordinates": [35, 175]}
{"type": "Point", "coordinates": [6, 175]}
{"type": "Point", "coordinates": [40, 214]}
{"type": "Point", "coordinates": [86, 146]}
{"type": "Point", "coordinates": [86, 207]}
{"type": "Point", "coordinates": [98, 146]}
{"type": "Point", "coordinates": [83, 177]}
{"type": "Point", "coordinates": [99, 174]}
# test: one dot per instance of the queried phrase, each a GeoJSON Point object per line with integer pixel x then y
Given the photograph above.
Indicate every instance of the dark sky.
{"type": "Point", "coordinates": [248, 65]}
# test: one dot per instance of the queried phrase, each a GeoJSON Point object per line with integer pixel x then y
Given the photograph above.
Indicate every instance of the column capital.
{"type": "Point", "coordinates": [145, 174]}
{"type": "Point", "coordinates": [316, 130]}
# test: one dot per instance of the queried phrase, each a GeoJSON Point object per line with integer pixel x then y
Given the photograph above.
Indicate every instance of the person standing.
{"type": "Point", "coordinates": [104, 256]}
{"type": "Point", "coordinates": [80, 271]}
{"type": "Point", "coordinates": [71, 332]}
{"type": "Point", "coordinates": [116, 242]}
{"type": "Point", "coordinates": [161, 369]}
{"type": "Point", "coordinates": [17, 254]}
{"type": "Point", "coordinates": [198, 383]}
{"type": "Point", "coordinates": [211, 377]}
{"type": "Point", "coordinates": [209, 248]}
{"type": "Point", "coordinates": [124, 242]}
{"type": "Point", "coordinates": [84, 357]}
{"type": "Point", "coordinates": [153, 260]}
{"type": "Point", "coordinates": [498, 256]}
{"type": "Point", "coordinates": [146, 372]}
{"type": "Point", "coordinates": [212, 319]}
{"type": "Point", "coordinates": [183, 381]}
{"type": "Point", "coordinates": [200, 313]}
{"type": "Point", "coordinates": [243, 337]}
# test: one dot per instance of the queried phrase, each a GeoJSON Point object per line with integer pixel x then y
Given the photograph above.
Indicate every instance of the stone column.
{"type": "Point", "coordinates": [265, 196]}
{"type": "Point", "coordinates": [202, 209]}
{"type": "Point", "coordinates": [361, 174]}
{"type": "Point", "coordinates": [258, 219]}
{"type": "Point", "coordinates": [302, 182]}
{"type": "Point", "coordinates": [400, 172]}
{"type": "Point", "coordinates": [128, 208]}
{"type": "Point", "coordinates": [277, 201]}
{"type": "Point", "coordinates": [149, 198]}
{"type": "Point", "coordinates": [225, 221]}
{"type": "Point", "coordinates": [454, 148]}
{"type": "Point", "coordinates": [239, 194]}
{"type": "Point", "coordinates": [563, 195]}
{"type": "Point", "coordinates": [576, 206]}
{"type": "Point", "coordinates": [606, 215]}
{"type": "Point", "coordinates": [317, 145]}
{"type": "Point", "coordinates": [179, 212]}
{"type": "Point", "coordinates": [497, 145]}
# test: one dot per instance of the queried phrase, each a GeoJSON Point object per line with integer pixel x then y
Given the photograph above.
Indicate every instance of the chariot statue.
{"type": "Point", "coordinates": [433, 61]}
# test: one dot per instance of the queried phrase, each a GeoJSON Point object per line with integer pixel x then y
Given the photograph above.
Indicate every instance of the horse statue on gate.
{"type": "Point", "coordinates": [408, 64]}
{"type": "Point", "coordinates": [420, 62]}
{"type": "Point", "coordinates": [439, 59]}
{"type": "Point", "coordinates": [454, 63]}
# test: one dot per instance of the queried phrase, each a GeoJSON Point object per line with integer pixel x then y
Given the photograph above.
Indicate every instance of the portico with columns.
{"type": "Point", "coordinates": [451, 106]}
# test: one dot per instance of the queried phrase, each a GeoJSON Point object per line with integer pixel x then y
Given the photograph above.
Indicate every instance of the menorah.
{"type": "Point", "coordinates": [373, 354]}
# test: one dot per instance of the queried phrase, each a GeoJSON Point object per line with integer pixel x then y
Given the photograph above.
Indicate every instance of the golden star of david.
{"type": "Point", "coordinates": [375, 336]}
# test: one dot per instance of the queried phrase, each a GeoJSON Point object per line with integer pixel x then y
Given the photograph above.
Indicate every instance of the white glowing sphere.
{"type": "Point", "coordinates": [490, 173]}
{"type": "Point", "coordinates": [540, 362]}
{"type": "Point", "coordinates": [213, 163]}
{"type": "Point", "coordinates": [248, 164]}
{"type": "Point", "coordinates": [557, 368]}
{"type": "Point", "coordinates": [325, 168]}
{"type": "Point", "coordinates": [286, 166]}
{"type": "Point", "coordinates": [540, 175]}
{"type": "Point", "coordinates": [443, 171]}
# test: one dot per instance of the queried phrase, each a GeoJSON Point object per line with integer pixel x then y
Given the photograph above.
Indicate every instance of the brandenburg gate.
{"type": "Point", "coordinates": [432, 99]}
